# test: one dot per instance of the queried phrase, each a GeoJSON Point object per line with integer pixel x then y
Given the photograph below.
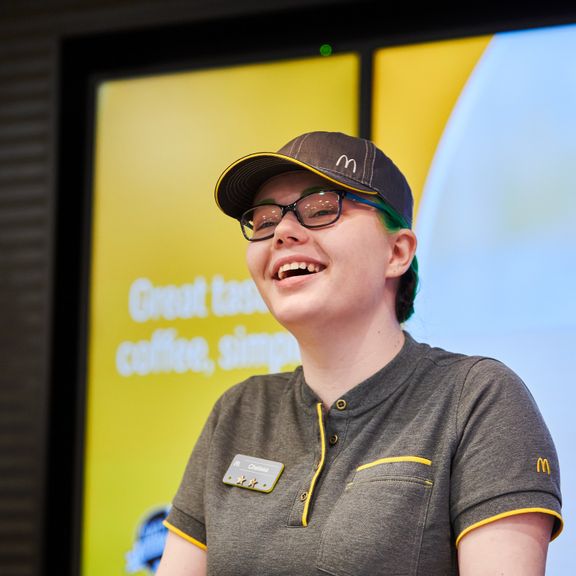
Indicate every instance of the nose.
{"type": "Point", "coordinates": [289, 231]}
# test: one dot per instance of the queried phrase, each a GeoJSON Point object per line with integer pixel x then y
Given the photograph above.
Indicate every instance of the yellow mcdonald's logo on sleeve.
{"type": "Point", "coordinates": [543, 465]}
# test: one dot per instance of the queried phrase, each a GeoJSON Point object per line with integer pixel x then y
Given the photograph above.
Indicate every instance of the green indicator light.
{"type": "Point", "coordinates": [325, 50]}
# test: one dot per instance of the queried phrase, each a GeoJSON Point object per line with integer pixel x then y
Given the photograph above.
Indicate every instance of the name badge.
{"type": "Point", "coordinates": [253, 473]}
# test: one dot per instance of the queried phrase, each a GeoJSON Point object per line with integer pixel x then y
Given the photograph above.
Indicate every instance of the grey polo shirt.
{"type": "Point", "coordinates": [385, 482]}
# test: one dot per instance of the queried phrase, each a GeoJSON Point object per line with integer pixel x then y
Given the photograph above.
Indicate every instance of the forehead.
{"type": "Point", "coordinates": [289, 186]}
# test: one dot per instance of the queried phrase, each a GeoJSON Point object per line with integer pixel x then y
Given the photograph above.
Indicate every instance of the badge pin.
{"type": "Point", "coordinates": [263, 474]}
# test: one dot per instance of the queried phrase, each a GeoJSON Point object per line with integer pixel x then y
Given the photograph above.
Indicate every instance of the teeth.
{"type": "Point", "coordinates": [312, 268]}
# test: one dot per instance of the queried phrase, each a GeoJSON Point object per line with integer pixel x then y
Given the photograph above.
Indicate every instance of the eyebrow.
{"type": "Point", "coordinates": [305, 192]}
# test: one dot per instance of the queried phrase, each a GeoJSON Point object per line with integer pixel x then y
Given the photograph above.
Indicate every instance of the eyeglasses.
{"type": "Point", "coordinates": [314, 210]}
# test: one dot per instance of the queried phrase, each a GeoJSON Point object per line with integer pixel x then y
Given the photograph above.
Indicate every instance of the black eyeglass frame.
{"type": "Point", "coordinates": [293, 207]}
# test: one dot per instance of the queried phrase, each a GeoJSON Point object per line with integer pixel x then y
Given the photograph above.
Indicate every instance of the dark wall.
{"type": "Point", "coordinates": [39, 280]}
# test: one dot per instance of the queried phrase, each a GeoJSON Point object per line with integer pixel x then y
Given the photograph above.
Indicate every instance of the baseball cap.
{"type": "Point", "coordinates": [353, 163]}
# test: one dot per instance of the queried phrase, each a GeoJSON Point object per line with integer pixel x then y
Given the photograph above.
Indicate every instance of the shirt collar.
{"type": "Point", "coordinates": [375, 389]}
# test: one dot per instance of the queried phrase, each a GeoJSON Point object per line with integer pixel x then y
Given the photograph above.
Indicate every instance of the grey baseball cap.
{"type": "Point", "coordinates": [355, 164]}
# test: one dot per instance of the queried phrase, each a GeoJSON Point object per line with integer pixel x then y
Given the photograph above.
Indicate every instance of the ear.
{"type": "Point", "coordinates": [403, 245]}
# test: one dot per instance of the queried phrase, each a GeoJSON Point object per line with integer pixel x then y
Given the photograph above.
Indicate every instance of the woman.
{"type": "Point", "coordinates": [379, 455]}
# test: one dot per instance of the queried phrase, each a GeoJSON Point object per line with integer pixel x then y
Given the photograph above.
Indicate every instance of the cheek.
{"type": "Point", "coordinates": [364, 262]}
{"type": "Point", "coordinates": [367, 245]}
{"type": "Point", "coordinates": [255, 259]}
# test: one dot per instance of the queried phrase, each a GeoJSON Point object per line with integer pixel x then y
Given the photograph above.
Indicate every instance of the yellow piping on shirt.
{"type": "Point", "coordinates": [513, 513]}
{"type": "Point", "coordinates": [320, 465]}
{"type": "Point", "coordinates": [200, 545]}
{"type": "Point", "coordinates": [396, 459]}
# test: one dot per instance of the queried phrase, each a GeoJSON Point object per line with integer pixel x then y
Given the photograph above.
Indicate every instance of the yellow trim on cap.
{"type": "Point", "coordinates": [200, 545]}
{"type": "Point", "coordinates": [513, 513]}
{"type": "Point", "coordinates": [396, 459]}
{"type": "Point", "coordinates": [288, 159]}
{"type": "Point", "coordinates": [320, 465]}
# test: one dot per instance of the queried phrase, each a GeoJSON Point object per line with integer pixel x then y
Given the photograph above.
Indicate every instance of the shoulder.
{"type": "Point", "coordinates": [493, 382]}
{"type": "Point", "coordinates": [258, 392]}
{"type": "Point", "coordinates": [451, 370]}
{"type": "Point", "coordinates": [470, 370]}
{"type": "Point", "coordinates": [474, 384]}
{"type": "Point", "coordinates": [253, 400]}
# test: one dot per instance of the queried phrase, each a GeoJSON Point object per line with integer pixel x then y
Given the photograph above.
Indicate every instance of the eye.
{"type": "Point", "coordinates": [320, 207]}
{"type": "Point", "coordinates": [263, 217]}
{"type": "Point", "coordinates": [323, 211]}
{"type": "Point", "coordinates": [263, 224]}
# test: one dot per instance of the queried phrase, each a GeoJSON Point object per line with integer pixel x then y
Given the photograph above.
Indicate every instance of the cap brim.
{"type": "Point", "coordinates": [239, 183]}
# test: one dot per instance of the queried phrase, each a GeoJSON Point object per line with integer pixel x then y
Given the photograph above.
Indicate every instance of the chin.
{"type": "Point", "coordinates": [291, 317]}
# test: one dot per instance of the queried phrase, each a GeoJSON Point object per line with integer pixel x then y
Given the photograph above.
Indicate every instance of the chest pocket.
{"type": "Point", "coordinates": [377, 523]}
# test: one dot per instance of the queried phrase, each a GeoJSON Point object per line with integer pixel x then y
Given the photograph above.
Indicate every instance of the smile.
{"type": "Point", "coordinates": [297, 269]}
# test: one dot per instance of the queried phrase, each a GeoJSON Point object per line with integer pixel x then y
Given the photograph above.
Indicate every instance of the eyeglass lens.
{"type": "Point", "coordinates": [313, 211]}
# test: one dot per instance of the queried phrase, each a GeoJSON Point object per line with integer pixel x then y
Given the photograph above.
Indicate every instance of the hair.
{"type": "Point", "coordinates": [409, 281]}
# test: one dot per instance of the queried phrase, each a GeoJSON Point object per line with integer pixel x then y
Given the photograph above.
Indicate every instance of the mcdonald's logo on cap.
{"type": "Point", "coordinates": [347, 161]}
{"type": "Point", "coordinates": [543, 465]}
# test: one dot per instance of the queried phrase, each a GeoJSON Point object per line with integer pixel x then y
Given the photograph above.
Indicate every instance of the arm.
{"type": "Point", "coordinates": [185, 549]}
{"type": "Point", "coordinates": [181, 558]}
{"type": "Point", "coordinates": [512, 546]}
{"type": "Point", "coordinates": [505, 497]}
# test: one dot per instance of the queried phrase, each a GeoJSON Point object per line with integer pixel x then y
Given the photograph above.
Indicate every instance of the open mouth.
{"type": "Point", "coordinates": [297, 269]}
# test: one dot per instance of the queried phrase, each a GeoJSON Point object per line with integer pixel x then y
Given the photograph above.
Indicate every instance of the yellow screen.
{"type": "Point", "coordinates": [174, 319]}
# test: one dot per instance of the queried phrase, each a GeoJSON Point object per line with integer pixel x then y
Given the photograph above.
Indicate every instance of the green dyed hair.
{"type": "Point", "coordinates": [409, 281]}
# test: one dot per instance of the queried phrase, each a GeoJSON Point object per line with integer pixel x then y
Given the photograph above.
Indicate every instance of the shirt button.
{"type": "Point", "coordinates": [341, 404]}
{"type": "Point", "coordinates": [333, 439]}
{"type": "Point", "coordinates": [303, 496]}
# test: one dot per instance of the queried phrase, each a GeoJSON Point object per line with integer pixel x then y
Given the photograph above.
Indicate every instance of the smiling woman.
{"type": "Point", "coordinates": [391, 457]}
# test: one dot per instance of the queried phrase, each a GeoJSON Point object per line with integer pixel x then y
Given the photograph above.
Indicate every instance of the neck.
{"type": "Point", "coordinates": [337, 358]}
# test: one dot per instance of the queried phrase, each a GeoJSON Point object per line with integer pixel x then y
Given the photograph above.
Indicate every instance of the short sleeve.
{"type": "Point", "coordinates": [505, 463]}
{"type": "Point", "coordinates": [187, 513]}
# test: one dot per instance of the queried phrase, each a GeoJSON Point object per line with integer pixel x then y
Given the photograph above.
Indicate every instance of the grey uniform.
{"type": "Point", "coordinates": [385, 483]}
